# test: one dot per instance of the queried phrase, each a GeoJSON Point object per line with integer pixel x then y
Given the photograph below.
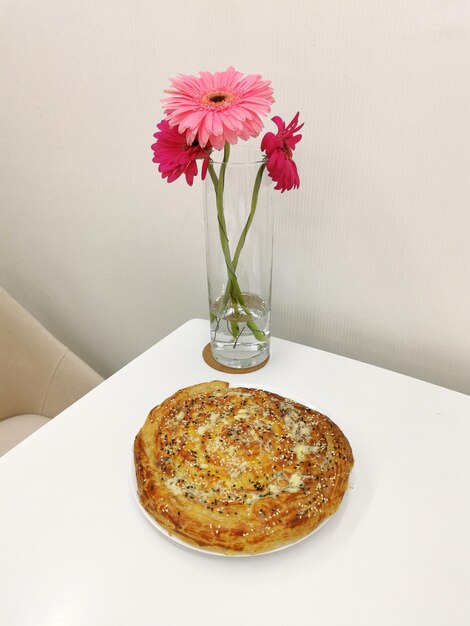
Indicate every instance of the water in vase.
{"type": "Point", "coordinates": [240, 335]}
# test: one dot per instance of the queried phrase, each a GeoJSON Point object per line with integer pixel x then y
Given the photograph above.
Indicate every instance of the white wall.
{"type": "Point", "coordinates": [372, 257]}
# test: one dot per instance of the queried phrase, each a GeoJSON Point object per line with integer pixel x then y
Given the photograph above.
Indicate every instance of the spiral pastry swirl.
{"type": "Point", "coordinates": [239, 470]}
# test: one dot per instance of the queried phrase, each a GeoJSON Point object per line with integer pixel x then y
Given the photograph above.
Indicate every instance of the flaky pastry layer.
{"type": "Point", "coordinates": [239, 470]}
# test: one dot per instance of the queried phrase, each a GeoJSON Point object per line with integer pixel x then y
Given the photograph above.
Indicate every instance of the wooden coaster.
{"type": "Point", "coordinates": [209, 359]}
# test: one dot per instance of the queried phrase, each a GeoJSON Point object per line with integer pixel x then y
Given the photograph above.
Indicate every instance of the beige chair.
{"type": "Point", "coordinates": [39, 376]}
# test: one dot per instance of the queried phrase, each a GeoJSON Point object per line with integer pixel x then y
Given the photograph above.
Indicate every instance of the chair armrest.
{"type": "Point", "coordinates": [71, 380]}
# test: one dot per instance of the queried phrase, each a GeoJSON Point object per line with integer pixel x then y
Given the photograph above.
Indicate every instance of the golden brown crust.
{"type": "Point", "coordinates": [239, 471]}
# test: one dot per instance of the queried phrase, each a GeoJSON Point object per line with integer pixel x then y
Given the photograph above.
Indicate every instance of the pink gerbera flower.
{"type": "Point", "coordinates": [175, 156]}
{"type": "Point", "coordinates": [218, 107]}
{"type": "Point", "coordinates": [279, 148]}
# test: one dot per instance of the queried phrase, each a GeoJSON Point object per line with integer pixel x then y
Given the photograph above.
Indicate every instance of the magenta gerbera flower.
{"type": "Point", "coordinates": [279, 148]}
{"type": "Point", "coordinates": [175, 156]}
{"type": "Point", "coordinates": [219, 107]}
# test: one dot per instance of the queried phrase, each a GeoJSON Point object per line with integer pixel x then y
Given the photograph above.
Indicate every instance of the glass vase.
{"type": "Point", "coordinates": [239, 245]}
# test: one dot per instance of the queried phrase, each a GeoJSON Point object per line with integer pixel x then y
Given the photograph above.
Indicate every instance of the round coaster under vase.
{"type": "Point", "coordinates": [209, 359]}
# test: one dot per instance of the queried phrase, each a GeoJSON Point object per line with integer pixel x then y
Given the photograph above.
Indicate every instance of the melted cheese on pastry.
{"type": "Point", "coordinates": [239, 470]}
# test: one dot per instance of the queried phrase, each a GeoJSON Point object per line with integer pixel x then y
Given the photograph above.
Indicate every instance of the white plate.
{"type": "Point", "coordinates": [167, 534]}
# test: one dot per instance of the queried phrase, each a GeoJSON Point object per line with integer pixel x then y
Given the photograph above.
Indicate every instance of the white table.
{"type": "Point", "coordinates": [76, 550]}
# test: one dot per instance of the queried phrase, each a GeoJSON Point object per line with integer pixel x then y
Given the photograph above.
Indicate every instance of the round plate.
{"type": "Point", "coordinates": [176, 539]}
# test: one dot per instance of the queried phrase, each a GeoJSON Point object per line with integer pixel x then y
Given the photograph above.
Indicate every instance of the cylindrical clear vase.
{"type": "Point", "coordinates": [239, 245]}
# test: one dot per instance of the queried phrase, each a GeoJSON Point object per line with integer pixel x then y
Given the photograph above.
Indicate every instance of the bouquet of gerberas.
{"type": "Point", "coordinates": [213, 112]}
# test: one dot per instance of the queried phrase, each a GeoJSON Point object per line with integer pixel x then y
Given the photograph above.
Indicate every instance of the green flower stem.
{"type": "Point", "coordinates": [215, 182]}
{"type": "Point", "coordinates": [223, 231]}
{"type": "Point", "coordinates": [233, 288]}
{"type": "Point", "coordinates": [213, 175]}
{"type": "Point", "coordinates": [241, 241]}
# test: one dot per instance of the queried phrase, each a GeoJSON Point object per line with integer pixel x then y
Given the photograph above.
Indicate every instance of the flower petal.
{"type": "Point", "coordinates": [188, 104]}
{"type": "Point", "coordinates": [174, 155]}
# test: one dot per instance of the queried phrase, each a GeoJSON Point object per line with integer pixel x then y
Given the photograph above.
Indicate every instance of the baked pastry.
{"type": "Point", "coordinates": [238, 470]}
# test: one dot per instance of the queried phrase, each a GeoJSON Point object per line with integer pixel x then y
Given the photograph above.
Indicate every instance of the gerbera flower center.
{"type": "Point", "coordinates": [217, 99]}
{"type": "Point", "coordinates": [288, 152]}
